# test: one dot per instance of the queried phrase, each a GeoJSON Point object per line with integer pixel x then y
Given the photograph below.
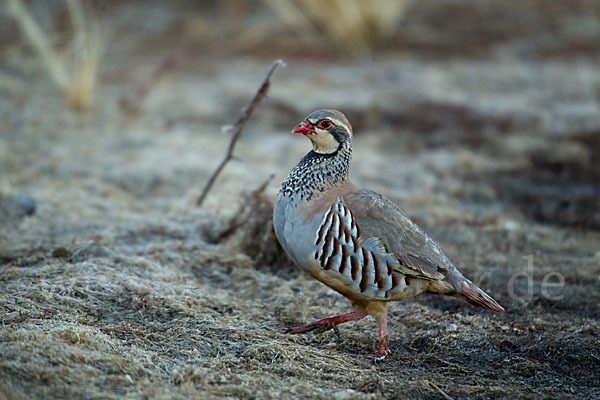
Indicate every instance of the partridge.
{"type": "Point", "coordinates": [356, 241]}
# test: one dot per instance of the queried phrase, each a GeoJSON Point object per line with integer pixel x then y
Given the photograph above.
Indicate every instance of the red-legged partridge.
{"type": "Point", "coordinates": [356, 241]}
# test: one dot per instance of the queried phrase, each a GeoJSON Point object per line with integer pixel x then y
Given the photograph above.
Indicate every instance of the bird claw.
{"type": "Point", "coordinates": [336, 330]}
{"type": "Point", "coordinates": [379, 357]}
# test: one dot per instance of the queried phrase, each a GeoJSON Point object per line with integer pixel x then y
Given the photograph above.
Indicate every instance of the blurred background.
{"type": "Point", "coordinates": [510, 83]}
{"type": "Point", "coordinates": [480, 118]}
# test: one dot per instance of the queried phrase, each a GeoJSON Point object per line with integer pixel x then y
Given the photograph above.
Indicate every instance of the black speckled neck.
{"type": "Point", "coordinates": [316, 170]}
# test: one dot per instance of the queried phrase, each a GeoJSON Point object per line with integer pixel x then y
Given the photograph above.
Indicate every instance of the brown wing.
{"type": "Point", "coordinates": [417, 253]}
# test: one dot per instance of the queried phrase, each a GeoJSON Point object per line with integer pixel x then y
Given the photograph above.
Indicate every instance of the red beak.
{"type": "Point", "coordinates": [303, 128]}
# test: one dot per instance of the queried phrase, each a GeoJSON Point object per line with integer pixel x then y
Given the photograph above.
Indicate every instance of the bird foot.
{"type": "Point", "coordinates": [328, 323]}
{"type": "Point", "coordinates": [383, 350]}
{"type": "Point", "coordinates": [379, 356]}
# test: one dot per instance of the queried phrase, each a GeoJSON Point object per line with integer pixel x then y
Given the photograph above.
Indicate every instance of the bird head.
{"type": "Point", "coordinates": [328, 130]}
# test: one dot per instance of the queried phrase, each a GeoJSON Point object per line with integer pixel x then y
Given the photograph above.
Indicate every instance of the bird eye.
{"type": "Point", "coordinates": [324, 124]}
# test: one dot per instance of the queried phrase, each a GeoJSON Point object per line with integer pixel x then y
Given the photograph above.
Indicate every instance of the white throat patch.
{"type": "Point", "coordinates": [323, 142]}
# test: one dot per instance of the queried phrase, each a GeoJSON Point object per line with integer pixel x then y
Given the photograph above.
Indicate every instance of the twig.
{"type": "Point", "coordinates": [239, 127]}
{"type": "Point", "coordinates": [440, 391]}
{"type": "Point", "coordinates": [256, 192]}
{"type": "Point", "coordinates": [242, 215]}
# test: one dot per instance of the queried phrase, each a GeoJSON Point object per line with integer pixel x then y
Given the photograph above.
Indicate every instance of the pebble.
{"type": "Point", "coordinates": [16, 207]}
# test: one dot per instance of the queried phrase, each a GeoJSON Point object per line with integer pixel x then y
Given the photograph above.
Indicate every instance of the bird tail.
{"type": "Point", "coordinates": [474, 295]}
{"type": "Point", "coordinates": [461, 287]}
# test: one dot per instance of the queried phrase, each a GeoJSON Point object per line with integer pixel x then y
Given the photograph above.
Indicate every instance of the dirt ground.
{"type": "Point", "coordinates": [480, 119]}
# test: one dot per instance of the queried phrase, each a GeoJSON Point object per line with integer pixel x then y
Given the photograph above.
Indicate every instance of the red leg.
{"type": "Point", "coordinates": [326, 324]}
{"type": "Point", "coordinates": [383, 341]}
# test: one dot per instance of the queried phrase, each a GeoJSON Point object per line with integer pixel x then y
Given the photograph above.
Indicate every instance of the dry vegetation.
{"type": "Point", "coordinates": [116, 285]}
{"type": "Point", "coordinates": [74, 67]}
{"type": "Point", "coordinates": [355, 26]}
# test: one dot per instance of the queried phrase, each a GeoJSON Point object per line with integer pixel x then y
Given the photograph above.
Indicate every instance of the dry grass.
{"type": "Point", "coordinates": [73, 68]}
{"type": "Point", "coordinates": [120, 287]}
{"type": "Point", "coordinates": [355, 26]}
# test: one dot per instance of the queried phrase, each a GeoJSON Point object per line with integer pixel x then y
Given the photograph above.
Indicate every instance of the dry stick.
{"type": "Point", "coordinates": [238, 219]}
{"type": "Point", "coordinates": [239, 127]}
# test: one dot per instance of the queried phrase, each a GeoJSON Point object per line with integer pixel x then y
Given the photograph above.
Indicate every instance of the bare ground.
{"type": "Point", "coordinates": [118, 286]}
